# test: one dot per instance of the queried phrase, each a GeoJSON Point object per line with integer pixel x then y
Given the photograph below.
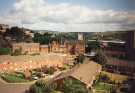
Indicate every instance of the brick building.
{"type": "Point", "coordinates": [76, 47]}
{"type": "Point", "coordinates": [26, 48]}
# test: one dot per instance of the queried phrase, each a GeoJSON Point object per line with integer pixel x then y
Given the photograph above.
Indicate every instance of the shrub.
{"type": "Point", "coordinates": [104, 78]}
{"type": "Point", "coordinates": [73, 86]}
{"type": "Point", "coordinates": [50, 71]}
{"type": "Point", "coordinates": [79, 59]}
{"type": "Point", "coordinates": [34, 54]}
{"type": "Point", "coordinates": [100, 57]}
{"type": "Point", "coordinates": [42, 86]}
{"type": "Point", "coordinates": [16, 52]}
{"type": "Point", "coordinates": [5, 51]}
{"type": "Point", "coordinates": [13, 78]}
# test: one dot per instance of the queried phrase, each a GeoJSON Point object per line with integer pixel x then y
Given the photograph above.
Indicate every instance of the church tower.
{"type": "Point", "coordinates": [80, 36]}
{"type": "Point", "coordinates": [80, 44]}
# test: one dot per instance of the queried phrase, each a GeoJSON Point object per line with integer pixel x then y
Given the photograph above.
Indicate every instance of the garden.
{"type": "Point", "coordinates": [13, 78]}
{"type": "Point", "coordinates": [27, 76]}
{"type": "Point", "coordinates": [68, 86]}
{"type": "Point", "coordinates": [108, 82]}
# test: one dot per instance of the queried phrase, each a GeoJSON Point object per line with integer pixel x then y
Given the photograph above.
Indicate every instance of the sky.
{"type": "Point", "coordinates": [69, 15]}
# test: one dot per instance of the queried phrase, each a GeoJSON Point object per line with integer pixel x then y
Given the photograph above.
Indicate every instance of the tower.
{"type": "Point", "coordinates": [80, 36]}
{"type": "Point", "coordinates": [80, 44]}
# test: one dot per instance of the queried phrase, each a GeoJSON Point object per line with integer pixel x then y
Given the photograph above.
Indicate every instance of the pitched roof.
{"type": "Point", "coordinates": [85, 72]}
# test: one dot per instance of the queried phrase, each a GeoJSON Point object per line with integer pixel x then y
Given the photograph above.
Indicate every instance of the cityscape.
{"type": "Point", "coordinates": [49, 46]}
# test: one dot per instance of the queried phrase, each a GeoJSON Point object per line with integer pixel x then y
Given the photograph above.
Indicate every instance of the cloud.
{"type": "Point", "coordinates": [39, 15]}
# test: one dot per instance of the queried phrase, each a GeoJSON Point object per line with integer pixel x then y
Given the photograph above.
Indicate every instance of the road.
{"type": "Point", "coordinates": [18, 87]}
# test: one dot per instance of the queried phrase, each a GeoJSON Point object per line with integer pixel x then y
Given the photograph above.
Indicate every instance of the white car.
{"type": "Point", "coordinates": [35, 77]}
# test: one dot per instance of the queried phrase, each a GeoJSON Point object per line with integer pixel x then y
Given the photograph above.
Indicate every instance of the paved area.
{"type": "Point", "coordinates": [13, 88]}
{"type": "Point", "coordinates": [19, 87]}
{"type": "Point", "coordinates": [25, 62]}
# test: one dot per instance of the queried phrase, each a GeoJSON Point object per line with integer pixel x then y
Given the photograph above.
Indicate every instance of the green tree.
{"type": "Point", "coordinates": [79, 59]}
{"type": "Point", "coordinates": [101, 57]}
{"type": "Point", "coordinates": [73, 86]}
{"type": "Point", "coordinates": [16, 33]}
{"type": "Point", "coordinates": [42, 86]}
{"type": "Point", "coordinates": [93, 45]}
{"type": "Point", "coordinates": [42, 38]}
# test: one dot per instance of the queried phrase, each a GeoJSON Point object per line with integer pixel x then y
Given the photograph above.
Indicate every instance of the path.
{"type": "Point", "coordinates": [13, 88]}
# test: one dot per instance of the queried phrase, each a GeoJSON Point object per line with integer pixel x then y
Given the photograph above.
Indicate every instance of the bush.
{"type": "Point", "coordinates": [13, 78]}
{"type": "Point", "coordinates": [104, 78]}
{"type": "Point", "coordinates": [73, 86]}
{"type": "Point", "coordinates": [50, 71]}
{"type": "Point", "coordinates": [16, 52]}
{"type": "Point", "coordinates": [42, 86]}
{"type": "Point", "coordinates": [79, 59]}
{"type": "Point", "coordinates": [34, 54]}
{"type": "Point", "coordinates": [101, 57]}
{"type": "Point", "coordinates": [5, 51]}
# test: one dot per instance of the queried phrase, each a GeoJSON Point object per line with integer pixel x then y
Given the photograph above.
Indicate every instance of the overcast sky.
{"type": "Point", "coordinates": [69, 15]}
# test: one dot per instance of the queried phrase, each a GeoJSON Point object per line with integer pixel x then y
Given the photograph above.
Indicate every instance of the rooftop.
{"type": "Point", "coordinates": [85, 72]}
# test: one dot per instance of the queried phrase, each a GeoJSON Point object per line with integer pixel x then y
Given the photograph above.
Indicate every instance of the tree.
{"type": "Point", "coordinates": [50, 70]}
{"type": "Point", "coordinates": [79, 59]}
{"type": "Point", "coordinates": [93, 45]}
{"type": "Point", "coordinates": [42, 86]}
{"type": "Point", "coordinates": [16, 33]}
{"type": "Point", "coordinates": [73, 86]}
{"type": "Point", "coordinates": [42, 38]}
{"type": "Point", "coordinates": [16, 52]}
{"type": "Point", "coordinates": [101, 57]}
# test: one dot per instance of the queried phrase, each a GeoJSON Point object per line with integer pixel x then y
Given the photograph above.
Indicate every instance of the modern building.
{"type": "Point", "coordinates": [130, 44]}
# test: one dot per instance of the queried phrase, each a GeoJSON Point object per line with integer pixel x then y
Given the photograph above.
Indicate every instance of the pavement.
{"type": "Point", "coordinates": [19, 87]}
{"type": "Point", "coordinates": [13, 88]}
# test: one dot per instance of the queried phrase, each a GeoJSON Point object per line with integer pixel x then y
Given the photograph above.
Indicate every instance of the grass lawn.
{"type": "Point", "coordinates": [103, 86]}
{"type": "Point", "coordinates": [116, 77]}
{"type": "Point", "coordinates": [10, 78]}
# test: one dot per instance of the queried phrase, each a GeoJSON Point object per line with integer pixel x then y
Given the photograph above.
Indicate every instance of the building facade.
{"type": "Point", "coordinates": [130, 44]}
{"type": "Point", "coordinates": [54, 47]}
{"type": "Point", "coordinates": [26, 48]}
{"type": "Point", "coordinates": [77, 47]}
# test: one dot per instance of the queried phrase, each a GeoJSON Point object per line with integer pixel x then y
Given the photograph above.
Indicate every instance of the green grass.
{"type": "Point", "coordinates": [5, 51]}
{"type": "Point", "coordinates": [10, 78]}
{"type": "Point", "coordinates": [103, 86]}
{"type": "Point", "coordinates": [116, 77]}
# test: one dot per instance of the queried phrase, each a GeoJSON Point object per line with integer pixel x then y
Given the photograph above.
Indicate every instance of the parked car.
{"type": "Point", "coordinates": [34, 77]}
